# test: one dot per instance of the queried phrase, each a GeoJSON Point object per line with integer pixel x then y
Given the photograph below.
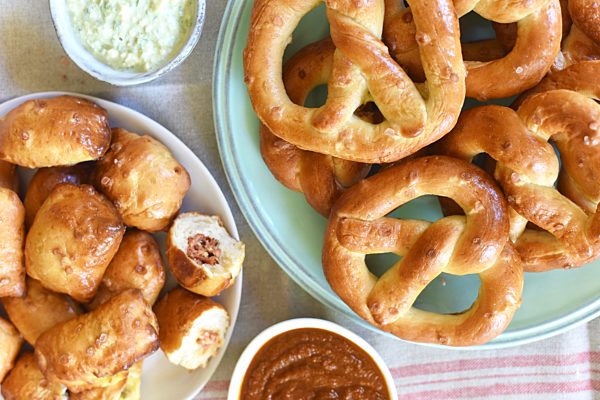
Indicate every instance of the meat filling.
{"type": "Point", "coordinates": [203, 249]}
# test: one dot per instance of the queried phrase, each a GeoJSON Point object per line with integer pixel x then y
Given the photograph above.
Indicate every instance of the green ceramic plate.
{"type": "Point", "coordinates": [292, 232]}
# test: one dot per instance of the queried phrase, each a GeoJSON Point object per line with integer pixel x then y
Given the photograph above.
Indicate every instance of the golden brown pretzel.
{"type": "Point", "coordinates": [8, 176]}
{"type": "Point", "coordinates": [62, 130]}
{"type": "Point", "coordinates": [321, 178]}
{"type": "Point", "coordinates": [577, 47]}
{"type": "Point", "coordinates": [581, 33]}
{"type": "Point", "coordinates": [583, 77]}
{"type": "Point", "coordinates": [527, 168]}
{"type": "Point", "coordinates": [362, 71]}
{"type": "Point", "coordinates": [528, 53]}
{"type": "Point", "coordinates": [586, 16]}
{"type": "Point", "coordinates": [475, 244]}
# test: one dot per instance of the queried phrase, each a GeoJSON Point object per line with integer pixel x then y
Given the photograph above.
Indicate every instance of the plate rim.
{"type": "Point", "coordinates": [228, 218]}
{"type": "Point", "coordinates": [230, 24]}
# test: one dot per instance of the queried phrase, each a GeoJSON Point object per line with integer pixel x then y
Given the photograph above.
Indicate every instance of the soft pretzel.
{"type": "Point", "coordinates": [321, 178]}
{"type": "Point", "coordinates": [12, 237]}
{"type": "Point", "coordinates": [10, 343]}
{"type": "Point", "coordinates": [73, 238]}
{"type": "Point", "coordinates": [583, 77]}
{"type": "Point", "coordinates": [362, 71]}
{"type": "Point", "coordinates": [137, 264]}
{"type": "Point", "coordinates": [63, 130]}
{"type": "Point", "coordinates": [581, 33]}
{"type": "Point", "coordinates": [532, 47]}
{"type": "Point", "coordinates": [8, 176]}
{"type": "Point", "coordinates": [586, 16]}
{"type": "Point", "coordinates": [143, 179]}
{"type": "Point", "coordinates": [26, 382]}
{"type": "Point", "coordinates": [527, 168]}
{"type": "Point", "coordinates": [39, 310]}
{"type": "Point", "coordinates": [46, 179]}
{"type": "Point", "coordinates": [96, 349]}
{"type": "Point", "coordinates": [475, 244]}
{"type": "Point", "coordinates": [577, 47]}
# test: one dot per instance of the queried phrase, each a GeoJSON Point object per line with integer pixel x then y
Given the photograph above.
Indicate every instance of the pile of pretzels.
{"type": "Point", "coordinates": [519, 186]}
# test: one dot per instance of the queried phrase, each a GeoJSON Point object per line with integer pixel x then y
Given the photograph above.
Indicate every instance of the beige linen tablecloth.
{"type": "Point", "coordinates": [564, 367]}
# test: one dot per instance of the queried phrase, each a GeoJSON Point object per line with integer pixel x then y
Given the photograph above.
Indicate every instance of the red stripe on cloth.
{"type": "Point", "coordinates": [216, 386]}
{"type": "Point", "coordinates": [500, 389]}
{"type": "Point", "coordinates": [490, 376]}
{"type": "Point", "coordinates": [496, 362]}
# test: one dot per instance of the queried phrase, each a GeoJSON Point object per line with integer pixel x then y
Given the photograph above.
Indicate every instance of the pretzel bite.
{"type": "Point", "coordinates": [202, 255]}
{"type": "Point", "coordinates": [73, 238]}
{"type": "Point", "coordinates": [143, 179]}
{"type": "Point", "coordinates": [137, 265]}
{"type": "Point", "coordinates": [39, 310]}
{"type": "Point", "coordinates": [10, 343]}
{"type": "Point", "coordinates": [8, 176]}
{"type": "Point", "coordinates": [96, 349]}
{"type": "Point", "coordinates": [46, 179]}
{"type": "Point", "coordinates": [12, 270]}
{"type": "Point", "coordinates": [192, 327]}
{"type": "Point", "coordinates": [112, 392]}
{"type": "Point", "coordinates": [126, 389]}
{"type": "Point", "coordinates": [63, 130]}
{"type": "Point", "coordinates": [26, 382]}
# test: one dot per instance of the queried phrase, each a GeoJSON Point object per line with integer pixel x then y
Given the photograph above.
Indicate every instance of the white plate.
{"type": "Point", "coordinates": [160, 379]}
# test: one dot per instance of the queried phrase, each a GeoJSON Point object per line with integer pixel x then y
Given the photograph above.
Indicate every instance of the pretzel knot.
{"type": "Point", "coordinates": [321, 178]}
{"type": "Point", "coordinates": [362, 71]}
{"type": "Point", "coordinates": [518, 60]}
{"type": "Point", "coordinates": [476, 243]}
{"type": "Point", "coordinates": [583, 41]}
{"type": "Point", "coordinates": [527, 168]}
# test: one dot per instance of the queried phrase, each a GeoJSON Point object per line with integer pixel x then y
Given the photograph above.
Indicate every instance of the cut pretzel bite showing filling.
{"type": "Point", "coordinates": [191, 328]}
{"type": "Point", "coordinates": [202, 255]}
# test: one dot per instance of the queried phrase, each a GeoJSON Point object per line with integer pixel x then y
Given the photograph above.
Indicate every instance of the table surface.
{"type": "Point", "coordinates": [563, 367]}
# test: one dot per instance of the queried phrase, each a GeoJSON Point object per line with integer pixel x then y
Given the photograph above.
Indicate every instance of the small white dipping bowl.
{"type": "Point", "coordinates": [87, 62]}
{"type": "Point", "coordinates": [237, 379]}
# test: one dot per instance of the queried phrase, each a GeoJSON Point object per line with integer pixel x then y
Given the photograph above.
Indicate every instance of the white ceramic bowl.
{"type": "Point", "coordinates": [87, 62]}
{"type": "Point", "coordinates": [257, 343]}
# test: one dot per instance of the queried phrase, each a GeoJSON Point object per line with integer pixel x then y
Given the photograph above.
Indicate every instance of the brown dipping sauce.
{"type": "Point", "coordinates": [313, 364]}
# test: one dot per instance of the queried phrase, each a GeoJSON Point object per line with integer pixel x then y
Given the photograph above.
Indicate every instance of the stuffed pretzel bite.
{"type": "Point", "coordinates": [8, 176]}
{"type": "Point", "coordinates": [96, 349]}
{"type": "Point", "coordinates": [63, 130]}
{"type": "Point", "coordinates": [192, 327]}
{"type": "Point", "coordinates": [112, 392]}
{"type": "Point", "coordinates": [133, 386]}
{"type": "Point", "coordinates": [73, 238]}
{"type": "Point", "coordinates": [39, 310]}
{"type": "Point", "coordinates": [26, 382]}
{"type": "Point", "coordinates": [46, 179]}
{"type": "Point", "coordinates": [141, 176]}
{"type": "Point", "coordinates": [137, 265]}
{"type": "Point", "coordinates": [202, 255]}
{"type": "Point", "coordinates": [126, 389]}
{"type": "Point", "coordinates": [10, 343]}
{"type": "Point", "coordinates": [12, 268]}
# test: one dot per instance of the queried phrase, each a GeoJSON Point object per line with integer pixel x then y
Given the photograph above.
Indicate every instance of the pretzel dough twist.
{"type": "Point", "coordinates": [586, 16]}
{"type": "Point", "coordinates": [531, 47]}
{"type": "Point", "coordinates": [362, 71]}
{"type": "Point", "coordinates": [473, 244]}
{"type": "Point", "coordinates": [527, 168]}
{"type": "Point", "coordinates": [321, 178]}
